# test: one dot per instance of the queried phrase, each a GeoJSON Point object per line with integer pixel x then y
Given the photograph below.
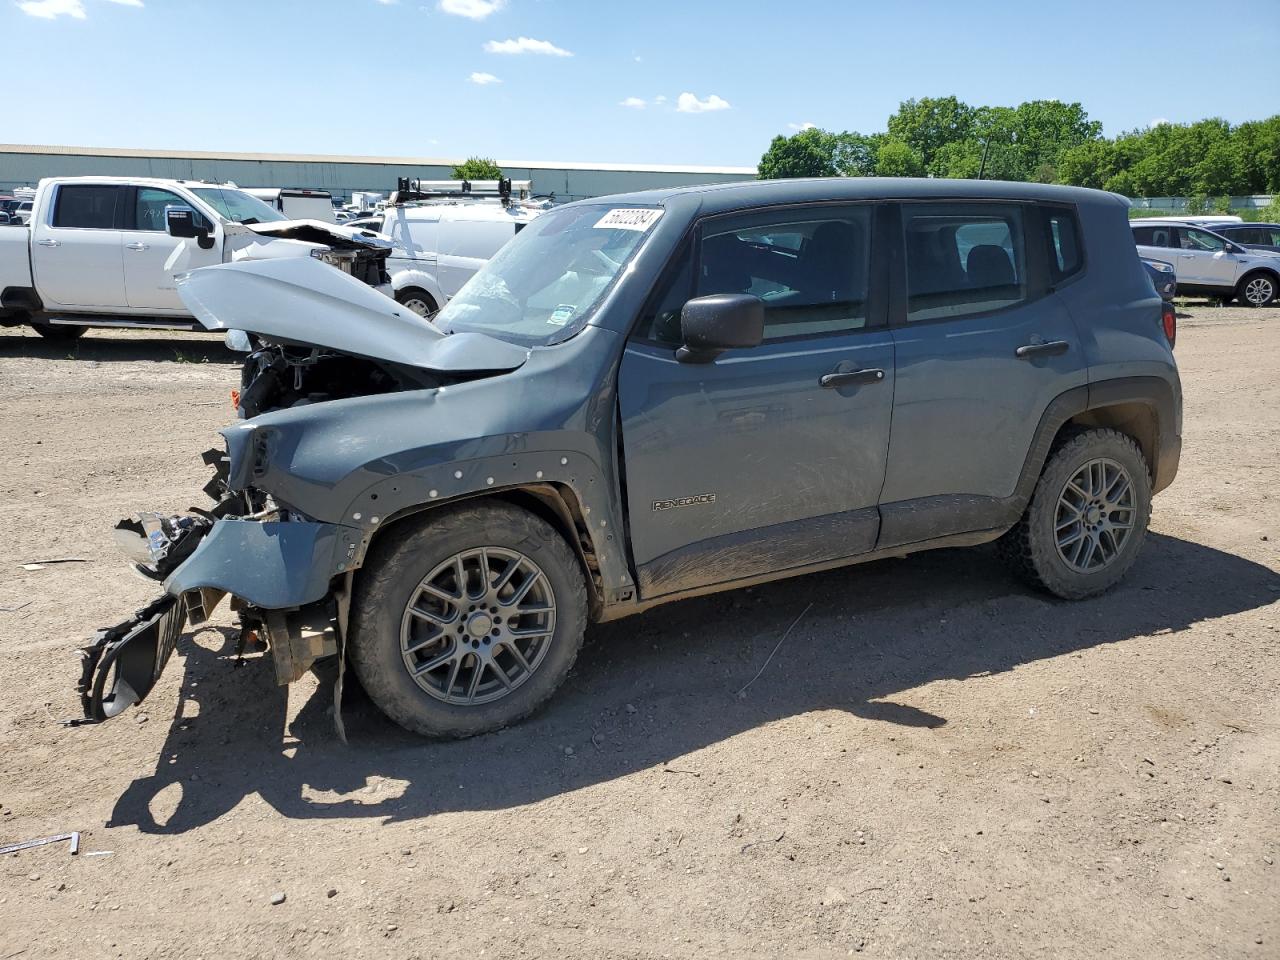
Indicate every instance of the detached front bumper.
{"type": "Point", "coordinates": [279, 572]}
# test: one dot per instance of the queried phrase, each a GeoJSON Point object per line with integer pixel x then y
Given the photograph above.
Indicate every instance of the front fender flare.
{"type": "Point", "coordinates": [397, 496]}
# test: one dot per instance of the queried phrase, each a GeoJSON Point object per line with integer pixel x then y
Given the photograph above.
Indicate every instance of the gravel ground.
{"type": "Point", "coordinates": [938, 763]}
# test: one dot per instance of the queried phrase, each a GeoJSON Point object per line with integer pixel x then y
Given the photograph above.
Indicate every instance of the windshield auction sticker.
{"type": "Point", "coordinates": [639, 219]}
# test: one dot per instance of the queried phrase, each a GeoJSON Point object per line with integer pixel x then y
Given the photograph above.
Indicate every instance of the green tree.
{"type": "Point", "coordinates": [898, 159]}
{"type": "Point", "coordinates": [810, 153]}
{"type": "Point", "coordinates": [477, 168]}
{"type": "Point", "coordinates": [854, 154]}
{"type": "Point", "coordinates": [927, 124]}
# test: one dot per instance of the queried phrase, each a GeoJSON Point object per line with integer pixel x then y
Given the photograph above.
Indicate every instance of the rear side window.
{"type": "Point", "coordinates": [1153, 236]}
{"type": "Point", "coordinates": [86, 206]}
{"type": "Point", "coordinates": [1063, 234]}
{"type": "Point", "coordinates": [963, 259]}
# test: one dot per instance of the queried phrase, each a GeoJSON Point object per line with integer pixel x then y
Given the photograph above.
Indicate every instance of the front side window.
{"type": "Point", "coordinates": [809, 267]}
{"type": "Point", "coordinates": [963, 259]}
{"type": "Point", "coordinates": [150, 206]}
{"type": "Point", "coordinates": [86, 206]}
{"type": "Point", "coordinates": [1192, 239]}
{"type": "Point", "coordinates": [237, 206]}
{"type": "Point", "coordinates": [543, 286]}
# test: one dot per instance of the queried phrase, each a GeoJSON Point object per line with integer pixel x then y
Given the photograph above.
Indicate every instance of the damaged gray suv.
{"type": "Point", "coordinates": [649, 397]}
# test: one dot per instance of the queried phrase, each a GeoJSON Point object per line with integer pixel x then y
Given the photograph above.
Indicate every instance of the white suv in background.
{"type": "Point", "coordinates": [439, 245]}
{"type": "Point", "coordinates": [1206, 263]}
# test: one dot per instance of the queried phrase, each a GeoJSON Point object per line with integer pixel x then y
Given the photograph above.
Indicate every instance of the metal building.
{"type": "Point", "coordinates": [24, 165]}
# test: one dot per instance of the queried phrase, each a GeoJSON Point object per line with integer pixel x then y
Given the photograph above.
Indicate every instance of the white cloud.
{"type": "Point", "coordinates": [526, 45]}
{"type": "Point", "coordinates": [688, 103]}
{"type": "Point", "coordinates": [52, 9]}
{"type": "Point", "coordinates": [471, 9]}
{"type": "Point", "coordinates": [388, 3]}
{"type": "Point", "coordinates": [660, 98]}
{"type": "Point", "coordinates": [634, 102]}
{"type": "Point", "coordinates": [483, 78]}
{"type": "Point", "coordinates": [127, 3]}
{"type": "Point", "coordinates": [1157, 121]}
{"type": "Point", "coordinates": [802, 126]}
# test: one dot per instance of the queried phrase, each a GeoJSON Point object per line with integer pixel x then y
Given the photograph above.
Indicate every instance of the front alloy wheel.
{"type": "Point", "coordinates": [466, 619]}
{"type": "Point", "coordinates": [478, 626]}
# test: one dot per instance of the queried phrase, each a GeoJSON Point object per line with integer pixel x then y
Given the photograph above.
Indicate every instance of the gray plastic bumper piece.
{"type": "Point", "coordinates": [270, 565]}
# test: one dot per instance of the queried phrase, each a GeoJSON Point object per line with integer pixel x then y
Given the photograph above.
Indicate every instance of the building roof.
{"type": "Point", "coordinates": [59, 150]}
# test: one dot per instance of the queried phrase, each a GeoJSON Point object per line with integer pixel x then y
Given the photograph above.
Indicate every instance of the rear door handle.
{"type": "Point", "coordinates": [138, 245]}
{"type": "Point", "coordinates": [49, 242]}
{"type": "Point", "coordinates": [853, 377]}
{"type": "Point", "coordinates": [1054, 348]}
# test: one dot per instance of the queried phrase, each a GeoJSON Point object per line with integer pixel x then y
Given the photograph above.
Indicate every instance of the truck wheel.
{"type": "Point", "coordinates": [417, 300]}
{"type": "Point", "coordinates": [59, 332]}
{"type": "Point", "coordinates": [1087, 518]}
{"type": "Point", "coordinates": [468, 621]}
{"type": "Point", "coordinates": [1256, 289]}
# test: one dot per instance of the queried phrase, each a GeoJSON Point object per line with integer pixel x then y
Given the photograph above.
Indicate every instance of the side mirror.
{"type": "Point", "coordinates": [182, 222]}
{"type": "Point", "coordinates": [720, 322]}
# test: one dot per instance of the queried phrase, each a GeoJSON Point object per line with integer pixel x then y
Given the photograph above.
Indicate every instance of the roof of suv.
{"type": "Point", "coordinates": [768, 192]}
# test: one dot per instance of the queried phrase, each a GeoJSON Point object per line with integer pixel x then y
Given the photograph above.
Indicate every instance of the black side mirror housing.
{"type": "Point", "coordinates": [185, 223]}
{"type": "Point", "coordinates": [723, 321]}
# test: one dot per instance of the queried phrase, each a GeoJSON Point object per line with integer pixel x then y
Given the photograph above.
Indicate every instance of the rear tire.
{"type": "Point", "coordinates": [1087, 518]}
{"type": "Point", "coordinates": [417, 300]}
{"type": "Point", "coordinates": [502, 641]}
{"type": "Point", "coordinates": [1257, 289]}
{"type": "Point", "coordinates": [59, 332]}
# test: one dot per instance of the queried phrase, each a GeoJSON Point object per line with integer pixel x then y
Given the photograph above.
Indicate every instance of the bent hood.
{"type": "Point", "coordinates": [305, 301]}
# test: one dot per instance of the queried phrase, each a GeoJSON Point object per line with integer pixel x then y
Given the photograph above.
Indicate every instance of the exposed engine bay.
{"type": "Point", "coordinates": [279, 376]}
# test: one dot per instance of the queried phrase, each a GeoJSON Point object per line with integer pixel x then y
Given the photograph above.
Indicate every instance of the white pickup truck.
{"type": "Point", "coordinates": [103, 251]}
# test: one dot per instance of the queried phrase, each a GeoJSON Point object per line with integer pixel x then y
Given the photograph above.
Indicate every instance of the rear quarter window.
{"type": "Point", "coordinates": [1062, 232]}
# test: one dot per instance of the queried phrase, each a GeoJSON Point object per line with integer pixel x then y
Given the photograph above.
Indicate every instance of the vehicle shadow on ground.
{"type": "Point", "coordinates": [95, 346]}
{"type": "Point", "coordinates": [654, 688]}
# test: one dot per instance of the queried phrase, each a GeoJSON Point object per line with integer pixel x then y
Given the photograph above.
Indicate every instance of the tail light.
{"type": "Point", "coordinates": [1169, 320]}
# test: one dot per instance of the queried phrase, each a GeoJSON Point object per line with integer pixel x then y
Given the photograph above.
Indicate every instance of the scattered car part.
{"type": "Point", "coordinates": [74, 837]}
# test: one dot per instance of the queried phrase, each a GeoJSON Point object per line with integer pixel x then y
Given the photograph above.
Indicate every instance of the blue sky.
{"type": "Point", "coordinates": [660, 81]}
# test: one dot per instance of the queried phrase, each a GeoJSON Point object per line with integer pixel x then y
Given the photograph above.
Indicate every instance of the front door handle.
{"type": "Point", "coordinates": [851, 378]}
{"type": "Point", "coordinates": [49, 242]}
{"type": "Point", "coordinates": [1054, 348]}
{"type": "Point", "coordinates": [137, 246]}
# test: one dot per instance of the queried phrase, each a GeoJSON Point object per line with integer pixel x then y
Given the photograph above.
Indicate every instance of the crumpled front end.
{"type": "Point", "coordinates": [278, 567]}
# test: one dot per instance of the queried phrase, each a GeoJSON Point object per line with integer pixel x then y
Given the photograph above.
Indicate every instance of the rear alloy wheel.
{"type": "Point", "coordinates": [1087, 518]}
{"type": "Point", "coordinates": [1257, 290]}
{"type": "Point", "coordinates": [419, 301]}
{"type": "Point", "coordinates": [465, 622]}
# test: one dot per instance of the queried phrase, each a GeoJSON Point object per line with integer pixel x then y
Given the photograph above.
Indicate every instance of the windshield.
{"type": "Point", "coordinates": [543, 285]}
{"type": "Point", "coordinates": [237, 206]}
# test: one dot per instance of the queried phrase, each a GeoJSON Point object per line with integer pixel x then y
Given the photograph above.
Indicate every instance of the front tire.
{"type": "Point", "coordinates": [1258, 289]}
{"type": "Point", "coordinates": [467, 621]}
{"type": "Point", "coordinates": [417, 300]}
{"type": "Point", "coordinates": [1087, 518]}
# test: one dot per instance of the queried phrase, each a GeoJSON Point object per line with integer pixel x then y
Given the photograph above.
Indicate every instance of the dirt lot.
{"type": "Point", "coordinates": [938, 763]}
